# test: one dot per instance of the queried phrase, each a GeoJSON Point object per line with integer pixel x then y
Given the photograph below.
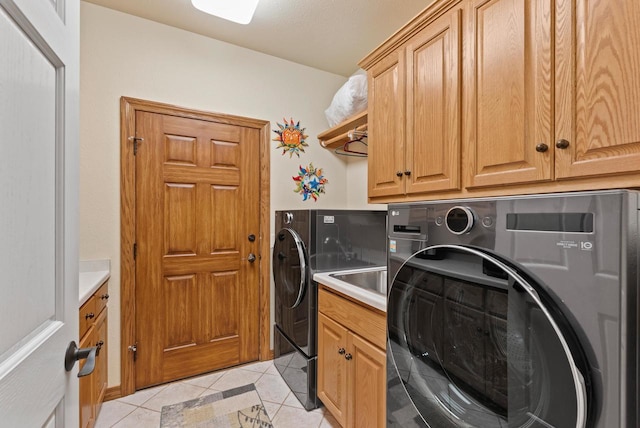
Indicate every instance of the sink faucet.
{"type": "Point", "coordinates": [337, 244]}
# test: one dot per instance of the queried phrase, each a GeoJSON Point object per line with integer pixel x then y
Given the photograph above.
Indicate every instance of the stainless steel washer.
{"type": "Point", "coordinates": [514, 312]}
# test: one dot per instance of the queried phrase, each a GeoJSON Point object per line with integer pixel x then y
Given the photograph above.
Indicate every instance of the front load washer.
{"type": "Point", "coordinates": [514, 312]}
{"type": "Point", "coordinates": [310, 241]}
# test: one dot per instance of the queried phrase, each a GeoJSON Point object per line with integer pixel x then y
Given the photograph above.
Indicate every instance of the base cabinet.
{"type": "Point", "coordinates": [93, 332]}
{"type": "Point", "coordinates": [351, 368]}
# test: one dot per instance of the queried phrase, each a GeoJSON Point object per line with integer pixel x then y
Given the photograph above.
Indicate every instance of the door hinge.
{"type": "Point", "coordinates": [135, 143]}
{"type": "Point", "coordinates": [135, 250]}
{"type": "Point", "coordinates": [134, 349]}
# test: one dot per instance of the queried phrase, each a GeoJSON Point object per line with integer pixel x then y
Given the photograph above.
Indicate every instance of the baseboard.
{"type": "Point", "coordinates": [113, 393]}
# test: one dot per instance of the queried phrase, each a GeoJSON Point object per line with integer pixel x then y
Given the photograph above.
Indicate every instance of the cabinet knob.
{"type": "Point", "coordinates": [541, 148]}
{"type": "Point", "coordinates": [562, 143]}
{"type": "Point", "coordinates": [348, 357]}
{"type": "Point", "coordinates": [341, 351]}
{"type": "Point", "coordinates": [399, 173]}
{"type": "Point", "coordinates": [105, 296]}
{"type": "Point", "coordinates": [89, 316]}
{"type": "Point", "coordinates": [407, 173]}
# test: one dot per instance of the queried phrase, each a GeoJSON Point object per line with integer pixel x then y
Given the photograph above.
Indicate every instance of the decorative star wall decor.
{"type": "Point", "coordinates": [310, 182]}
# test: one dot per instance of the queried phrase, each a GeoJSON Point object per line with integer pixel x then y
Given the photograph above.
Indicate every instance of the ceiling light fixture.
{"type": "Point", "coordinates": [240, 11]}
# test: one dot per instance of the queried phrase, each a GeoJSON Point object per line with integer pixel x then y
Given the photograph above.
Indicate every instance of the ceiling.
{"type": "Point", "coordinates": [330, 35]}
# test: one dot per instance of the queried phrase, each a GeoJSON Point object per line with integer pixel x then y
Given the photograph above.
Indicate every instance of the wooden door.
{"type": "Point", "coordinates": [197, 203]}
{"type": "Point", "coordinates": [387, 126]}
{"type": "Point", "coordinates": [39, 109]}
{"type": "Point", "coordinates": [597, 87]}
{"type": "Point", "coordinates": [332, 367]}
{"type": "Point", "coordinates": [434, 67]}
{"type": "Point", "coordinates": [367, 384]}
{"type": "Point", "coordinates": [508, 95]}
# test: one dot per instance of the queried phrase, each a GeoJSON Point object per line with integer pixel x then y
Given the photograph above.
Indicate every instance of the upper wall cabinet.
{"type": "Point", "coordinates": [508, 84]}
{"type": "Point", "coordinates": [414, 110]}
{"type": "Point", "coordinates": [546, 99]}
{"type": "Point", "coordinates": [597, 75]}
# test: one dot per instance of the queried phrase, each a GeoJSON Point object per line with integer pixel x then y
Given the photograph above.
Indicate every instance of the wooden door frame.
{"type": "Point", "coordinates": [128, 109]}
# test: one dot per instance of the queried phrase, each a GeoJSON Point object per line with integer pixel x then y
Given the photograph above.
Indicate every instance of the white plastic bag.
{"type": "Point", "coordinates": [350, 99]}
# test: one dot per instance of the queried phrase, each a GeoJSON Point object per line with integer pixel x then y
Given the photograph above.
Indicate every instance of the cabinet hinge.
{"type": "Point", "coordinates": [136, 140]}
{"type": "Point", "coordinates": [135, 250]}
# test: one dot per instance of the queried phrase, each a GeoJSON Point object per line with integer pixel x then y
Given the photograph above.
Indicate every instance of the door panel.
{"type": "Point", "coordinates": [39, 79]}
{"type": "Point", "coordinates": [367, 384]}
{"type": "Point", "coordinates": [386, 129]}
{"type": "Point", "coordinates": [597, 87]}
{"type": "Point", "coordinates": [332, 367]}
{"type": "Point", "coordinates": [197, 201]}
{"type": "Point", "coordinates": [434, 67]}
{"type": "Point", "coordinates": [509, 97]}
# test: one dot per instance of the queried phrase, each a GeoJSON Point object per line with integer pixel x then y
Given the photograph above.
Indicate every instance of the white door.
{"type": "Point", "coordinates": [39, 66]}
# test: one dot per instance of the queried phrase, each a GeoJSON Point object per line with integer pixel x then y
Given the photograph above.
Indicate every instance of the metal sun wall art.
{"type": "Point", "coordinates": [310, 182]}
{"type": "Point", "coordinates": [291, 138]}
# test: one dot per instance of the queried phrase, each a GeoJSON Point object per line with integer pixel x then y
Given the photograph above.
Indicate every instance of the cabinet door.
{"type": "Point", "coordinates": [332, 367]}
{"type": "Point", "coordinates": [387, 126]}
{"type": "Point", "coordinates": [434, 66]}
{"type": "Point", "coordinates": [597, 87]}
{"type": "Point", "coordinates": [100, 372]}
{"type": "Point", "coordinates": [86, 390]}
{"type": "Point", "coordinates": [508, 95]}
{"type": "Point", "coordinates": [367, 384]}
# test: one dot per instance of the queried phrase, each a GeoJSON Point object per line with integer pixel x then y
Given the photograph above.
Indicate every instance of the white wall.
{"type": "Point", "coordinates": [122, 55]}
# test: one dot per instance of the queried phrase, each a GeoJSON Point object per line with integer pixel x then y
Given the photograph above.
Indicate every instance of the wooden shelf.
{"type": "Point", "coordinates": [339, 134]}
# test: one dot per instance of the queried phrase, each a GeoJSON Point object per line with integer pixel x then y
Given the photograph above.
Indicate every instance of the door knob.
{"type": "Point", "coordinates": [251, 258]}
{"type": "Point", "coordinates": [348, 357]}
{"type": "Point", "coordinates": [74, 354]}
{"type": "Point", "coordinates": [341, 351]}
{"type": "Point", "coordinates": [407, 172]}
{"type": "Point", "coordinates": [562, 144]}
{"type": "Point", "coordinates": [399, 173]}
{"type": "Point", "coordinates": [251, 237]}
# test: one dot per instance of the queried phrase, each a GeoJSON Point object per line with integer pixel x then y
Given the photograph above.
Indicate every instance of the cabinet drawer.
{"type": "Point", "coordinates": [102, 297]}
{"type": "Point", "coordinates": [367, 323]}
{"type": "Point", "coordinates": [87, 315]}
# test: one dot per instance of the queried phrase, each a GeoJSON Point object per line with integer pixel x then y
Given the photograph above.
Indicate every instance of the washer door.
{"type": "Point", "coordinates": [289, 268]}
{"type": "Point", "coordinates": [477, 343]}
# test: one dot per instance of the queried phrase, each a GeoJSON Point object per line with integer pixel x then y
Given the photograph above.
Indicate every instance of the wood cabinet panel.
{"type": "Point", "coordinates": [597, 73]}
{"type": "Point", "coordinates": [87, 414]}
{"type": "Point", "coordinates": [387, 125]}
{"type": "Point", "coordinates": [367, 384]}
{"type": "Point", "coordinates": [508, 85]}
{"type": "Point", "coordinates": [93, 332]}
{"type": "Point", "coordinates": [434, 70]}
{"type": "Point", "coordinates": [332, 367]}
{"type": "Point", "coordinates": [369, 323]}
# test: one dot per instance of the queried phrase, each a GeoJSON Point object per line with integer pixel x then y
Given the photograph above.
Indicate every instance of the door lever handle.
{"type": "Point", "coordinates": [74, 354]}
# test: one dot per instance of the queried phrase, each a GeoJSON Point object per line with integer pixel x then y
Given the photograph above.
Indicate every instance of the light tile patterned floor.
{"type": "Point", "coordinates": [142, 409]}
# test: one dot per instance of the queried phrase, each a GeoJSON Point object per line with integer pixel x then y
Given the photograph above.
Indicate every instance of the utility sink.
{"type": "Point", "coordinates": [375, 280]}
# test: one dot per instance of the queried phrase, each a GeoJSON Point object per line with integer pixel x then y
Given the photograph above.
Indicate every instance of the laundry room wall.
{"type": "Point", "coordinates": [123, 55]}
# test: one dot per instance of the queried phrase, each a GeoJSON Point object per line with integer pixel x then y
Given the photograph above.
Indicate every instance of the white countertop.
{"type": "Point", "coordinates": [93, 273]}
{"type": "Point", "coordinates": [370, 298]}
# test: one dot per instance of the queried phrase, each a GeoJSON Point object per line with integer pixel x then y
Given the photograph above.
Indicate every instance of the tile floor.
{"type": "Point", "coordinates": [142, 409]}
